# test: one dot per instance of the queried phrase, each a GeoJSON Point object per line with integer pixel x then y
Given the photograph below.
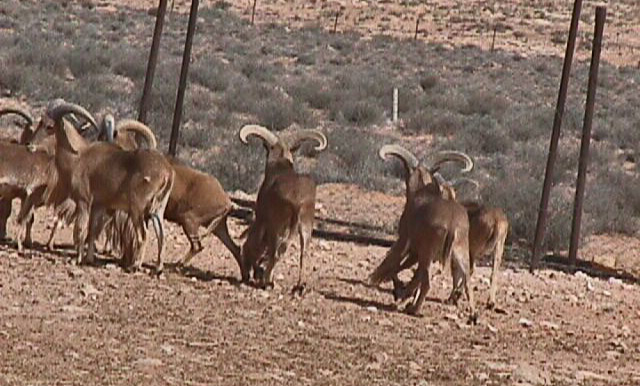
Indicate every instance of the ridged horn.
{"type": "Point", "coordinates": [19, 111]}
{"type": "Point", "coordinates": [453, 156]}
{"type": "Point", "coordinates": [259, 131]}
{"type": "Point", "coordinates": [310, 134]}
{"type": "Point", "coordinates": [59, 109]}
{"type": "Point", "coordinates": [468, 180]}
{"type": "Point", "coordinates": [138, 128]}
{"type": "Point", "coordinates": [410, 161]}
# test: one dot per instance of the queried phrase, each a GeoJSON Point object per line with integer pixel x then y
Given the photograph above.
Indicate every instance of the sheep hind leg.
{"type": "Point", "coordinates": [95, 225]}
{"type": "Point", "coordinates": [52, 235]}
{"type": "Point", "coordinates": [25, 221]}
{"type": "Point", "coordinates": [5, 213]}
{"type": "Point", "coordinates": [191, 231]}
{"type": "Point", "coordinates": [304, 232]}
{"type": "Point", "coordinates": [221, 231]}
{"type": "Point", "coordinates": [461, 280]}
{"type": "Point", "coordinates": [422, 273]}
{"type": "Point", "coordinates": [80, 230]}
{"type": "Point", "coordinates": [273, 255]}
{"type": "Point", "coordinates": [158, 226]}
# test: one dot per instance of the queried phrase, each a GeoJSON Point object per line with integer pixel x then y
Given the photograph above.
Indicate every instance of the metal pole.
{"type": "Point", "coordinates": [151, 64]}
{"type": "Point", "coordinates": [186, 57]}
{"type": "Point", "coordinates": [493, 40]}
{"type": "Point", "coordinates": [415, 36]}
{"type": "Point", "coordinates": [601, 13]}
{"type": "Point", "coordinates": [253, 11]}
{"type": "Point", "coordinates": [555, 136]}
{"type": "Point", "coordinates": [335, 22]}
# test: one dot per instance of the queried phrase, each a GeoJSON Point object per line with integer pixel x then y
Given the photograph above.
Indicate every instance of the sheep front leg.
{"type": "Point", "coordinates": [80, 229]}
{"type": "Point", "coordinates": [94, 227]}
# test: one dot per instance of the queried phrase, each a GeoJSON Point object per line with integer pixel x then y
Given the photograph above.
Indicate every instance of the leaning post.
{"type": "Point", "coordinates": [151, 64]}
{"type": "Point", "coordinates": [555, 136]}
{"type": "Point", "coordinates": [186, 57]}
{"type": "Point", "coordinates": [601, 14]}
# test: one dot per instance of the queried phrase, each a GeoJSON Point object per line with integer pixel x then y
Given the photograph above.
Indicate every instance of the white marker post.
{"type": "Point", "coordinates": [395, 105]}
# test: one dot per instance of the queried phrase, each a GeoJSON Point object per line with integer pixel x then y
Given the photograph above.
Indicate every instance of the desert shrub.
{"type": "Point", "coordinates": [95, 92]}
{"type": "Point", "coordinates": [237, 166]}
{"type": "Point", "coordinates": [34, 50]}
{"type": "Point", "coordinates": [128, 62]}
{"type": "Point", "coordinates": [280, 112]}
{"type": "Point", "coordinates": [211, 73]}
{"type": "Point", "coordinates": [257, 70]}
{"type": "Point", "coordinates": [311, 91]}
{"type": "Point", "coordinates": [352, 157]}
{"type": "Point", "coordinates": [480, 135]}
{"type": "Point", "coordinates": [88, 58]}
{"type": "Point", "coordinates": [612, 203]}
{"type": "Point", "coordinates": [359, 112]}
{"type": "Point", "coordinates": [529, 122]}
{"type": "Point", "coordinates": [428, 81]}
{"type": "Point", "coordinates": [484, 102]}
{"type": "Point", "coordinates": [438, 122]}
{"type": "Point", "coordinates": [518, 194]}
{"type": "Point", "coordinates": [196, 136]}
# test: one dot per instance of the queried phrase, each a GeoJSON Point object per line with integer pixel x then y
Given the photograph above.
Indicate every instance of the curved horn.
{"type": "Point", "coordinates": [19, 111]}
{"type": "Point", "coordinates": [139, 128]}
{"type": "Point", "coordinates": [410, 161]}
{"type": "Point", "coordinates": [471, 181]}
{"type": "Point", "coordinates": [453, 156]}
{"type": "Point", "coordinates": [259, 131]}
{"type": "Point", "coordinates": [61, 108]}
{"type": "Point", "coordinates": [310, 134]}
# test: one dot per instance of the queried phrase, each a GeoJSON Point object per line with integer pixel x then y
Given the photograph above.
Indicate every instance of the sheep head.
{"type": "Point", "coordinates": [27, 129]}
{"type": "Point", "coordinates": [420, 177]}
{"type": "Point", "coordinates": [279, 152]}
{"type": "Point", "coordinates": [67, 136]}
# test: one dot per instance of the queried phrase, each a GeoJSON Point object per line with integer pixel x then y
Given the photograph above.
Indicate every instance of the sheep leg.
{"type": "Point", "coordinates": [460, 278]}
{"type": "Point", "coordinates": [190, 228]}
{"type": "Point", "coordinates": [80, 229]}
{"type": "Point", "coordinates": [52, 235]}
{"type": "Point", "coordinates": [409, 289]}
{"type": "Point", "coordinates": [221, 231]}
{"type": "Point", "coordinates": [497, 261]}
{"type": "Point", "coordinates": [272, 259]}
{"type": "Point", "coordinates": [94, 227]}
{"type": "Point", "coordinates": [140, 227]}
{"type": "Point", "coordinates": [25, 221]}
{"type": "Point", "coordinates": [304, 232]}
{"type": "Point", "coordinates": [5, 212]}
{"type": "Point", "coordinates": [398, 285]}
{"type": "Point", "coordinates": [158, 227]}
{"type": "Point", "coordinates": [423, 274]}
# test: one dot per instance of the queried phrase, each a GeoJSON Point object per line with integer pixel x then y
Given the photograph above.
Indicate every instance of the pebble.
{"type": "Point", "coordinates": [525, 322]}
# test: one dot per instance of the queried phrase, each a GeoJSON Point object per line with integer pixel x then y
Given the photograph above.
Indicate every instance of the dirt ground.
{"type": "Point", "coordinates": [522, 27]}
{"type": "Point", "coordinates": [64, 324]}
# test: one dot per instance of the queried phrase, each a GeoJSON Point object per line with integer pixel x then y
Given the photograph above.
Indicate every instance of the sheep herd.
{"type": "Point", "coordinates": [118, 186]}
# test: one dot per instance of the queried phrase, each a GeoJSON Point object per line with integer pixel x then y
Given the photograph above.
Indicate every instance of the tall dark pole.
{"type": "Point", "coordinates": [186, 57]}
{"type": "Point", "coordinates": [153, 60]}
{"type": "Point", "coordinates": [555, 136]}
{"type": "Point", "coordinates": [601, 14]}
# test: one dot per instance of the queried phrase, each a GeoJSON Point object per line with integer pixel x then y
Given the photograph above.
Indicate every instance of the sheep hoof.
{"type": "Point", "coordinates": [412, 310]}
{"type": "Point", "coordinates": [399, 293]}
{"type": "Point", "coordinates": [298, 289]}
{"type": "Point", "coordinates": [258, 273]}
{"type": "Point", "coordinates": [473, 319]}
